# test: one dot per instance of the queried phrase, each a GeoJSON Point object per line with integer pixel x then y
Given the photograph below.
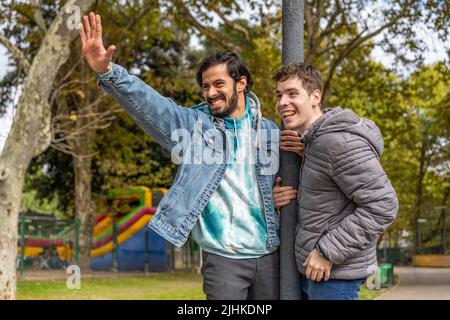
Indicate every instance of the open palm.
{"type": "Point", "coordinates": [93, 49]}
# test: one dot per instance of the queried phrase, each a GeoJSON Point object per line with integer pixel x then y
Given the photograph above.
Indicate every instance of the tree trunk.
{"type": "Point", "coordinates": [84, 207]}
{"type": "Point", "coordinates": [10, 194]}
{"type": "Point", "coordinates": [30, 135]}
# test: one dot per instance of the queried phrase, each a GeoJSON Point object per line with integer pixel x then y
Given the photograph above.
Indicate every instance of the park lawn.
{"type": "Point", "coordinates": [164, 286]}
{"type": "Point", "coordinates": [367, 294]}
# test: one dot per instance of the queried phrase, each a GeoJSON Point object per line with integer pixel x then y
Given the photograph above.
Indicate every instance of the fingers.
{"type": "Point", "coordinates": [291, 144]}
{"type": "Point", "coordinates": [285, 196]}
{"type": "Point", "coordinates": [282, 199]}
{"type": "Point", "coordinates": [319, 275]}
{"type": "Point", "coordinates": [278, 189]}
{"type": "Point", "coordinates": [314, 273]}
{"type": "Point", "coordinates": [290, 133]}
{"type": "Point", "coordinates": [307, 260]}
{"type": "Point", "coordinates": [282, 193]}
{"type": "Point", "coordinates": [82, 34]}
{"type": "Point", "coordinates": [327, 274]}
{"type": "Point", "coordinates": [278, 182]}
{"type": "Point", "coordinates": [290, 139]}
{"type": "Point", "coordinates": [98, 26]}
{"type": "Point", "coordinates": [93, 23]}
{"type": "Point", "coordinates": [281, 203]}
{"type": "Point", "coordinates": [110, 52]}
{"type": "Point", "coordinates": [308, 272]}
{"type": "Point", "coordinates": [87, 27]}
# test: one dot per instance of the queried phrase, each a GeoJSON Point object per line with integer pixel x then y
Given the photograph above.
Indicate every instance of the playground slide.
{"type": "Point", "coordinates": [137, 246]}
{"type": "Point", "coordinates": [135, 241]}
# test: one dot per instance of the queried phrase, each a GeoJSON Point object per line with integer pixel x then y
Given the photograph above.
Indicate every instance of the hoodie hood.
{"type": "Point", "coordinates": [345, 120]}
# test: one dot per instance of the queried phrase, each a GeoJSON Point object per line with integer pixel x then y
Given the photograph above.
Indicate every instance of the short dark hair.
{"type": "Point", "coordinates": [236, 67]}
{"type": "Point", "coordinates": [307, 73]}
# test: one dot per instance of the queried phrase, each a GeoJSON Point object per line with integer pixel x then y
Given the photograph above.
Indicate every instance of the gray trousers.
{"type": "Point", "coordinates": [240, 279]}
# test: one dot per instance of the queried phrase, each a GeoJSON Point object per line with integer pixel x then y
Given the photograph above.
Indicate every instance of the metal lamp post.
{"type": "Point", "coordinates": [292, 50]}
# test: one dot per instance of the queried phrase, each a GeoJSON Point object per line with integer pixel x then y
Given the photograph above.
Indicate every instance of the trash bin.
{"type": "Point", "coordinates": [386, 274]}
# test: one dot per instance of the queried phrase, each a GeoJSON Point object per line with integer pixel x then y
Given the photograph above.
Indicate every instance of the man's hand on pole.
{"type": "Point", "coordinates": [290, 141]}
{"type": "Point", "coordinates": [282, 195]}
{"type": "Point", "coordinates": [98, 58]}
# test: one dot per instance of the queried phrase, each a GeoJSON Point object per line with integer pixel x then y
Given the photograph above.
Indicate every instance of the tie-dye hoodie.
{"type": "Point", "coordinates": [233, 223]}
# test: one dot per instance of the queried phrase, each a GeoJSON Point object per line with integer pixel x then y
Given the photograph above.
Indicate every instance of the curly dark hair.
{"type": "Point", "coordinates": [236, 67]}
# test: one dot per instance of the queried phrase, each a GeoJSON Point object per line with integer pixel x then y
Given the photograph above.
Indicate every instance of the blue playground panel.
{"type": "Point", "coordinates": [131, 254]}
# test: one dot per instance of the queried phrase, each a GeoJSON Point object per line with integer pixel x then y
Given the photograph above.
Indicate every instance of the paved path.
{"type": "Point", "coordinates": [420, 284]}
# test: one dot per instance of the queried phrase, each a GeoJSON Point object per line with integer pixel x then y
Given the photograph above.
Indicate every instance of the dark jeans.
{"type": "Point", "coordinates": [240, 279]}
{"type": "Point", "coordinates": [331, 289]}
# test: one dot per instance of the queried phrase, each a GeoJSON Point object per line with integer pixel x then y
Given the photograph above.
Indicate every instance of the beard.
{"type": "Point", "coordinates": [230, 108]}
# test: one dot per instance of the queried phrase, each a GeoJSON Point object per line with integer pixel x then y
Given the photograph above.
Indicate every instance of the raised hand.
{"type": "Point", "coordinates": [94, 52]}
{"type": "Point", "coordinates": [282, 195]}
{"type": "Point", "coordinates": [290, 141]}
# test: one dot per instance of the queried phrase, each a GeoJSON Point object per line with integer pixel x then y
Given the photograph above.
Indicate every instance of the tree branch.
{"type": "Point", "coordinates": [232, 25]}
{"type": "Point", "coordinates": [352, 45]}
{"type": "Point", "coordinates": [16, 53]}
{"type": "Point", "coordinates": [208, 32]}
{"type": "Point", "coordinates": [37, 16]}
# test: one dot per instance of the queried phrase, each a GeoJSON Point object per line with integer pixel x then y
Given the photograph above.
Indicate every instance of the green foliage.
{"type": "Point", "coordinates": [128, 157]}
{"type": "Point", "coordinates": [153, 40]}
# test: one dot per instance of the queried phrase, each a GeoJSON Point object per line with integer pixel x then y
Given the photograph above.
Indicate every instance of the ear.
{"type": "Point", "coordinates": [316, 97]}
{"type": "Point", "coordinates": [241, 84]}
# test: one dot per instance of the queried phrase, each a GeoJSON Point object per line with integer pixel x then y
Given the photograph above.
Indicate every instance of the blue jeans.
{"type": "Point", "coordinates": [331, 289]}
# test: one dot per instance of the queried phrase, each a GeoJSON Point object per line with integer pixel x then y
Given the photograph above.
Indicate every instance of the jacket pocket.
{"type": "Point", "coordinates": [169, 199]}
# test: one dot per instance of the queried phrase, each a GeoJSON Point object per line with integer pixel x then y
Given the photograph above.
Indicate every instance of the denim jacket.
{"type": "Point", "coordinates": [196, 179]}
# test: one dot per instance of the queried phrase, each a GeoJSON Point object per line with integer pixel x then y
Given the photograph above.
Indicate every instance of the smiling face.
{"type": "Point", "coordinates": [296, 106]}
{"type": "Point", "coordinates": [225, 97]}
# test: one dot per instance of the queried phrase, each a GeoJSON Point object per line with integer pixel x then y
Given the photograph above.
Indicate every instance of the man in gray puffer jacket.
{"type": "Point", "coordinates": [345, 200]}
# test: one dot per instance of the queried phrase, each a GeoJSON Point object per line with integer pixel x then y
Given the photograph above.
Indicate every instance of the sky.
{"type": "Point", "coordinates": [6, 120]}
{"type": "Point", "coordinates": [436, 53]}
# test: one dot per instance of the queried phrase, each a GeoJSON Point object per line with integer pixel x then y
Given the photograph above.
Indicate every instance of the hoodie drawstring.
{"type": "Point", "coordinates": [237, 141]}
{"type": "Point", "coordinates": [258, 119]}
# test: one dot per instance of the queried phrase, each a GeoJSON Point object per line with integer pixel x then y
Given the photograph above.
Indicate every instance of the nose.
{"type": "Point", "coordinates": [282, 102]}
{"type": "Point", "coordinates": [211, 92]}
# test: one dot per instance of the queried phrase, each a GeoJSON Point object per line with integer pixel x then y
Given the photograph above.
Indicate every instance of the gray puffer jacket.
{"type": "Point", "coordinates": [345, 198]}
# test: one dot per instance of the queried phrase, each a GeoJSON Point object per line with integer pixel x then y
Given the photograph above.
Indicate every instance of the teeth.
{"type": "Point", "coordinates": [288, 113]}
{"type": "Point", "coordinates": [215, 101]}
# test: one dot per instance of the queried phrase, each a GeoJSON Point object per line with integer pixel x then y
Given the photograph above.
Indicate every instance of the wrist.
{"type": "Point", "coordinates": [319, 251]}
{"type": "Point", "coordinates": [108, 68]}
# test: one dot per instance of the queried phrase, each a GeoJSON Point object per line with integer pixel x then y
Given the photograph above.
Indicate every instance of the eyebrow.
{"type": "Point", "coordinates": [288, 90]}
{"type": "Point", "coordinates": [214, 82]}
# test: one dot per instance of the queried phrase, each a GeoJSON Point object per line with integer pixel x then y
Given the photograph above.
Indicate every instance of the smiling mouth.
{"type": "Point", "coordinates": [287, 114]}
{"type": "Point", "coordinates": [214, 102]}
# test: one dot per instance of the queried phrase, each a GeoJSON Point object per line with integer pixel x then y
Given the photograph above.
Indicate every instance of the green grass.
{"type": "Point", "coordinates": [173, 286]}
{"type": "Point", "coordinates": [367, 294]}
{"type": "Point", "coordinates": [163, 286]}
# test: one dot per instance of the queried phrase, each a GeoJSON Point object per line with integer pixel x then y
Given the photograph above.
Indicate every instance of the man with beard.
{"type": "Point", "coordinates": [222, 194]}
